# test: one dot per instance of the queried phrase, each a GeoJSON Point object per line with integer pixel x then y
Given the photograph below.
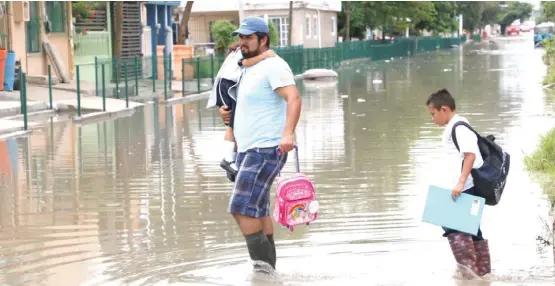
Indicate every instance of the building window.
{"type": "Point", "coordinates": [33, 28]}
{"type": "Point", "coordinates": [333, 26]}
{"type": "Point", "coordinates": [56, 11]}
{"type": "Point", "coordinates": [308, 26]}
{"type": "Point", "coordinates": [282, 26]}
{"type": "Point", "coordinates": [315, 29]}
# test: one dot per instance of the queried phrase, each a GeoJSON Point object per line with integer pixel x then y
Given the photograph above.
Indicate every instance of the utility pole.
{"type": "Point", "coordinates": [241, 11]}
{"type": "Point", "coordinates": [290, 32]}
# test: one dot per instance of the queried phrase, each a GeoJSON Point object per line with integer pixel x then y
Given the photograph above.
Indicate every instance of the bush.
{"type": "Point", "coordinates": [274, 36]}
{"type": "Point", "coordinates": [549, 60]}
{"type": "Point", "coordinates": [542, 163]}
{"type": "Point", "coordinates": [221, 32]}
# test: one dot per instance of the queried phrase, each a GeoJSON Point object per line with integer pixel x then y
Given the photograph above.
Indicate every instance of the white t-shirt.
{"type": "Point", "coordinates": [468, 143]}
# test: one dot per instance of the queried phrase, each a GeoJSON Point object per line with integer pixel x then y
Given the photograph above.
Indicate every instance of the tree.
{"type": "Point", "coordinates": [472, 14]}
{"type": "Point", "coordinates": [221, 32]}
{"type": "Point", "coordinates": [491, 13]}
{"type": "Point", "coordinates": [183, 31]}
{"type": "Point", "coordinates": [441, 20]}
{"type": "Point", "coordinates": [274, 35]}
{"type": "Point", "coordinates": [548, 12]}
{"type": "Point", "coordinates": [514, 11]}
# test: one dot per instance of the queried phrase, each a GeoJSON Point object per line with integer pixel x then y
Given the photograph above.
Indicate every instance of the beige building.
{"type": "Point", "coordinates": [21, 23]}
{"type": "Point", "coordinates": [314, 23]}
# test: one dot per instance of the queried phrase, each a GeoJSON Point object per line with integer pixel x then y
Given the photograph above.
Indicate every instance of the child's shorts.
{"type": "Point", "coordinates": [223, 98]}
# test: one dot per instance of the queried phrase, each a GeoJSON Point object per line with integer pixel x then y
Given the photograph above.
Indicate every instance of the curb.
{"type": "Point", "coordinates": [47, 112]}
{"type": "Point", "coordinates": [35, 107]}
{"type": "Point", "coordinates": [188, 98]}
{"type": "Point", "coordinates": [13, 135]}
{"type": "Point", "coordinates": [100, 116]}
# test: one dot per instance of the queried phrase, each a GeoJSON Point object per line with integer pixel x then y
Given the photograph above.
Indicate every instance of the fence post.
{"type": "Point", "coordinates": [126, 87]}
{"type": "Point", "coordinates": [50, 85]}
{"type": "Point", "coordinates": [198, 74]}
{"type": "Point", "coordinates": [165, 79]}
{"type": "Point", "coordinates": [212, 67]}
{"type": "Point", "coordinates": [103, 91]}
{"type": "Point", "coordinates": [78, 91]}
{"type": "Point", "coordinates": [183, 77]}
{"type": "Point", "coordinates": [24, 101]}
{"type": "Point", "coordinates": [154, 73]}
{"type": "Point", "coordinates": [96, 75]}
{"type": "Point", "coordinates": [170, 71]}
{"type": "Point", "coordinates": [117, 77]}
{"type": "Point", "coordinates": [136, 76]}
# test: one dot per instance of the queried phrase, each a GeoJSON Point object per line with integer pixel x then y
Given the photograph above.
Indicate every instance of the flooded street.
{"type": "Point", "coordinates": [142, 200]}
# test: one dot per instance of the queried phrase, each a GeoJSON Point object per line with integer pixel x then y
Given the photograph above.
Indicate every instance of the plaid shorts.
{"type": "Point", "coordinates": [258, 168]}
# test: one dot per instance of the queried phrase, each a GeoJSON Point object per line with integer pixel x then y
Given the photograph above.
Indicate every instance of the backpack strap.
{"type": "Point", "coordinates": [454, 134]}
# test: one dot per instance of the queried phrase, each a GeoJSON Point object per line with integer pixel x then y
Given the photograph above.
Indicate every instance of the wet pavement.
{"type": "Point", "coordinates": [142, 200]}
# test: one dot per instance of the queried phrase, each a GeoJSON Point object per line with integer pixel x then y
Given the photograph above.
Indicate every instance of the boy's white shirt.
{"type": "Point", "coordinates": [468, 143]}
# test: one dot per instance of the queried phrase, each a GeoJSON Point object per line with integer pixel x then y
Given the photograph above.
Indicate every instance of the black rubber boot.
{"type": "Point", "coordinates": [259, 247]}
{"type": "Point", "coordinates": [273, 253]}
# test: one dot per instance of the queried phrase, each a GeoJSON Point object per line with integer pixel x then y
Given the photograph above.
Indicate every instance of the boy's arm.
{"type": "Point", "coordinates": [253, 61]}
{"type": "Point", "coordinates": [468, 144]}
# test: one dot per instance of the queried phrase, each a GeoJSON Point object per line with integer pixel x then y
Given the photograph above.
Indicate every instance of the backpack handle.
{"type": "Point", "coordinates": [296, 155]}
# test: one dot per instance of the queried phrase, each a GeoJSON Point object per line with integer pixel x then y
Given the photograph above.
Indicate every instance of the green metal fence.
{"type": "Point", "coordinates": [140, 78]}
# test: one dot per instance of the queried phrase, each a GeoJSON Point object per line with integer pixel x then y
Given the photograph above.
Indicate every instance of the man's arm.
{"type": "Point", "coordinates": [291, 95]}
{"type": "Point", "coordinates": [282, 82]}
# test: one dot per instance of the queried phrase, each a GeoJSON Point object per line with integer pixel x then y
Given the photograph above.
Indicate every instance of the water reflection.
{"type": "Point", "coordinates": [142, 199]}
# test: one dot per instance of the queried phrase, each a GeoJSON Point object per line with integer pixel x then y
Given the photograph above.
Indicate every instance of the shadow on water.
{"type": "Point", "coordinates": [142, 200]}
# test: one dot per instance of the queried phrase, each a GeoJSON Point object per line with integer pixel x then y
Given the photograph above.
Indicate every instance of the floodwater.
{"type": "Point", "coordinates": [142, 200]}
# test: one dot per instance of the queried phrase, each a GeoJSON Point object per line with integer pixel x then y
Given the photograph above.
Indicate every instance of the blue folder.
{"type": "Point", "coordinates": [463, 214]}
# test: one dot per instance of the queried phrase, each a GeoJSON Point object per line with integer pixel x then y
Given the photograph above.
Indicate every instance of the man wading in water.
{"type": "Point", "coordinates": [267, 112]}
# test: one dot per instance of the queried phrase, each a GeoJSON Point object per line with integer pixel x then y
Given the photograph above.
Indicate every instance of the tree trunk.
{"type": "Point", "coordinates": [290, 32]}
{"type": "Point", "coordinates": [347, 21]}
{"type": "Point", "coordinates": [118, 28]}
{"type": "Point", "coordinates": [183, 31]}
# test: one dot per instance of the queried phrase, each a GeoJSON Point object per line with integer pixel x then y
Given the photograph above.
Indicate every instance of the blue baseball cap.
{"type": "Point", "coordinates": [251, 25]}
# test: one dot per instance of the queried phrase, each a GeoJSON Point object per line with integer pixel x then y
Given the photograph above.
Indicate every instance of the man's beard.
{"type": "Point", "coordinates": [250, 54]}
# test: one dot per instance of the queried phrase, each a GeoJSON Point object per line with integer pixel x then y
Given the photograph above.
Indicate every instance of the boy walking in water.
{"type": "Point", "coordinates": [469, 251]}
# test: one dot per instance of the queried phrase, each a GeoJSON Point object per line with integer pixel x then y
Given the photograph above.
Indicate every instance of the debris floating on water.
{"type": "Point", "coordinates": [344, 96]}
{"type": "Point", "coordinates": [361, 100]}
{"type": "Point", "coordinates": [377, 81]}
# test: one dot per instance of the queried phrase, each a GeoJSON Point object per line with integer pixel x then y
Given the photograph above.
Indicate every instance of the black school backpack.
{"type": "Point", "coordinates": [491, 177]}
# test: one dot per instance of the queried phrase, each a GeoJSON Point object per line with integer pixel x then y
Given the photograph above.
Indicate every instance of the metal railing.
{"type": "Point", "coordinates": [139, 78]}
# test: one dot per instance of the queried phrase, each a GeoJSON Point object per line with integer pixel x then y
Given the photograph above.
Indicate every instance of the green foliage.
{"type": "Point", "coordinates": [514, 11]}
{"type": "Point", "coordinates": [274, 36]}
{"type": "Point", "coordinates": [548, 13]}
{"type": "Point", "coordinates": [543, 159]}
{"type": "Point", "coordinates": [82, 10]}
{"type": "Point", "coordinates": [542, 163]}
{"type": "Point", "coordinates": [221, 32]}
{"type": "Point", "coordinates": [549, 60]}
{"type": "Point", "coordinates": [442, 18]}
{"type": "Point", "coordinates": [472, 14]}
{"type": "Point", "coordinates": [491, 12]}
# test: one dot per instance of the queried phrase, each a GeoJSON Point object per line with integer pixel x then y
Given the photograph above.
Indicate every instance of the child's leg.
{"type": "Point", "coordinates": [229, 145]}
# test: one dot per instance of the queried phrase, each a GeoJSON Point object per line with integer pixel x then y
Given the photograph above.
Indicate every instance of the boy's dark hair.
{"type": "Point", "coordinates": [441, 98]}
{"type": "Point", "coordinates": [261, 35]}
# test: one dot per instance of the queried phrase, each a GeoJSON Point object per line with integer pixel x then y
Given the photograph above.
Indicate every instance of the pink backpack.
{"type": "Point", "coordinates": [295, 202]}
